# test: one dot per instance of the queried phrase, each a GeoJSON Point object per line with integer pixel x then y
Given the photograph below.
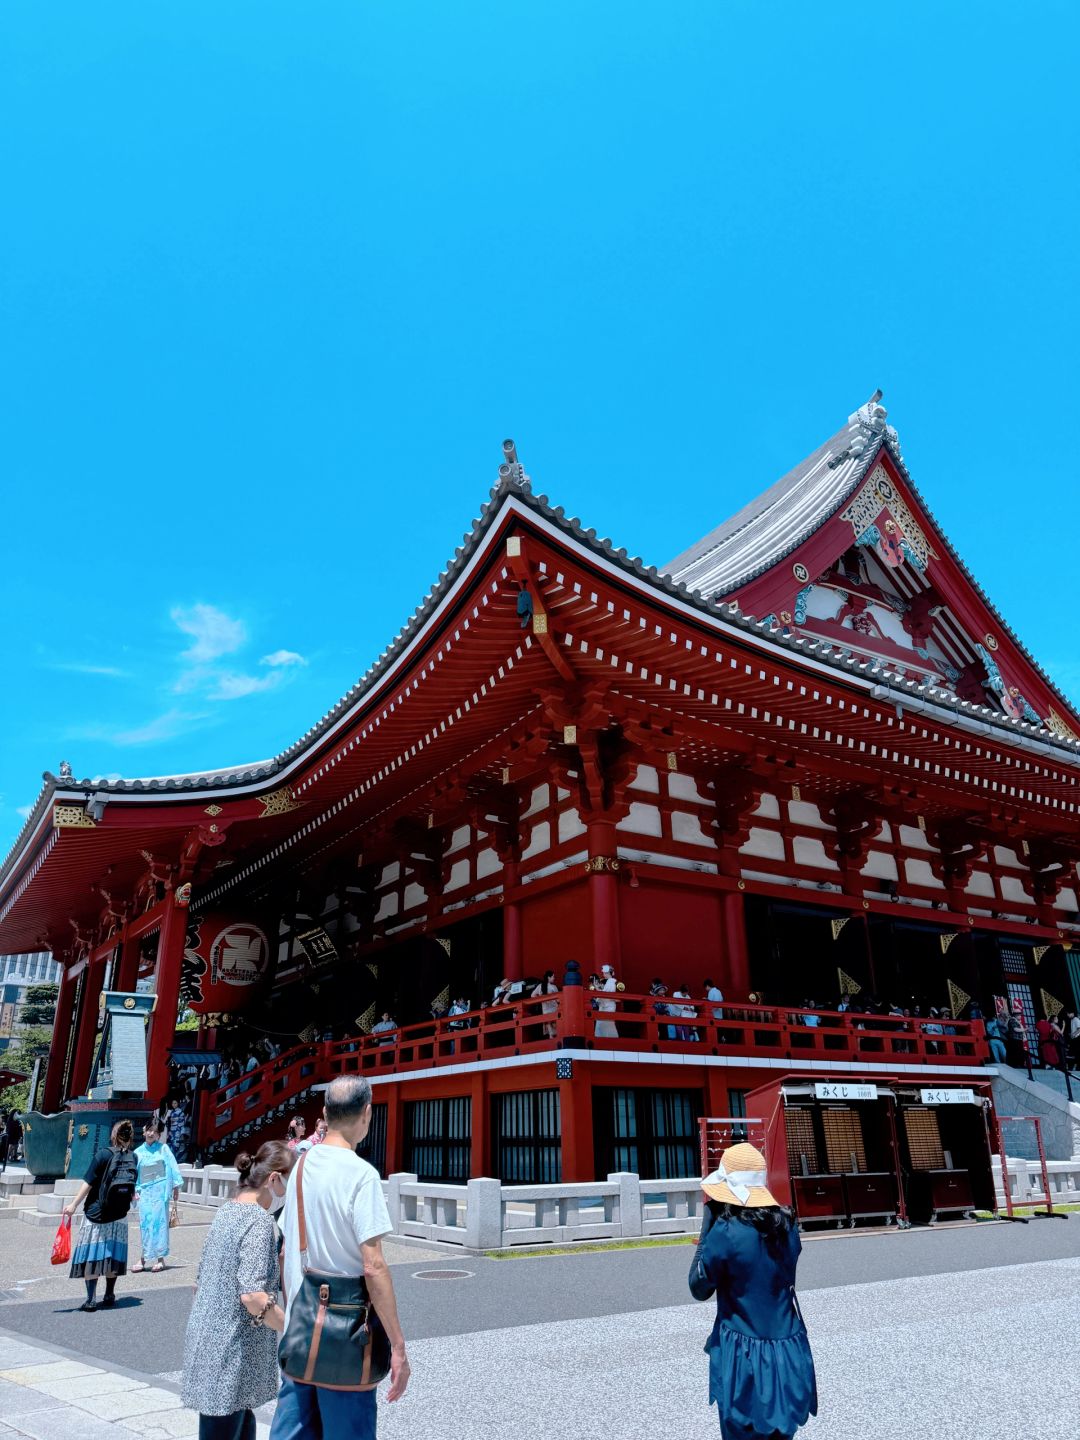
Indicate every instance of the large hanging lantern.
{"type": "Point", "coordinates": [226, 962]}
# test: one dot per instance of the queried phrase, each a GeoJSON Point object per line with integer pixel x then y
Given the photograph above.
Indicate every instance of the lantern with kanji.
{"type": "Point", "coordinates": [226, 962]}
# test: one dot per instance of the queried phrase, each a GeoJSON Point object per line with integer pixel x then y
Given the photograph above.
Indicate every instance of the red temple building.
{"type": "Point", "coordinates": [806, 757]}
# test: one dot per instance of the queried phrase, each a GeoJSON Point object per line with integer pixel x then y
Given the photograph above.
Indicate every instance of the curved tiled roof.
{"type": "Point", "coordinates": [743, 547]}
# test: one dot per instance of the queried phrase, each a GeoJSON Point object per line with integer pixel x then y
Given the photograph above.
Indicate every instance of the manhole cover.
{"type": "Point", "coordinates": [443, 1274]}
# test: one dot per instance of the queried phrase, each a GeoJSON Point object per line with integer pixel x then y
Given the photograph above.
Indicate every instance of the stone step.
{"type": "Point", "coordinates": [67, 1188]}
{"type": "Point", "coordinates": [23, 1202]}
{"type": "Point", "coordinates": [50, 1204]}
{"type": "Point", "coordinates": [35, 1217]}
{"type": "Point", "coordinates": [7, 1213]}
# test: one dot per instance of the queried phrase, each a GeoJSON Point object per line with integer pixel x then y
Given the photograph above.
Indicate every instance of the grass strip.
{"type": "Point", "coordinates": [649, 1242]}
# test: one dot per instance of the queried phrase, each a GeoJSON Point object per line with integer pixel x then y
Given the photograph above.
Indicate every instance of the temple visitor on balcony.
{"type": "Point", "coordinates": [761, 1371]}
{"type": "Point", "coordinates": [685, 1012]}
{"type": "Point", "coordinates": [548, 986]}
{"type": "Point", "coordinates": [230, 1350]}
{"type": "Point", "coordinates": [156, 1191]}
{"type": "Point", "coordinates": [714, 995]}
{"type": "Point", "coordinates": [385, 1028]}
{"type": "Point", "coordinates": [658, 989]}
{"type": "Point", "coordinates": [997, 1044]}
{"type": "Point", "coordinates": [607, 1029]}
{"type": "Point", "coordinates": [1050, 1038]}
{"type": "Point", "coordinates": [809, 1016]}
{"type": "Point", "coordinates": [502, 992]}
{"type": "Point", "coordinates": [1072, 1036]}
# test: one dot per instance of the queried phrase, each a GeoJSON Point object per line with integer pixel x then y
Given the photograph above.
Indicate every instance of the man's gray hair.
{"type": "Point", "coordinates": [346, 1099]}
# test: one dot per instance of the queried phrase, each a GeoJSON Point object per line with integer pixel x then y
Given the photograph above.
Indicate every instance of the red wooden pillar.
{"type": "Point", "coordinates": [513, 963]}
{"type": "Point", "coordinates": [170, 956]}
{"type": "Point", "coordinates": [127, 972]}
{"type": "Point", "coordinates": [716, 1098]}
{"type": "Point", "coordinates": [604, 895]}
{"type": "Point", "coordinates": [480, 1138]}
{"type": "Point", "coordinates": [87, 1027]}
{"type": "Point", "coordinates": [395, 1140]}
{"type": "Point", "coordinates": [53, 1094]}
{"type": "Point", "coordinates": [575, 1114]}
{"type": "Point", "coordinates": [736, 955]}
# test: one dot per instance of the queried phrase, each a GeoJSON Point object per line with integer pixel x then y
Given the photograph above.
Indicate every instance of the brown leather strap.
{"type": "Point", "coordinates": [300, 1208]}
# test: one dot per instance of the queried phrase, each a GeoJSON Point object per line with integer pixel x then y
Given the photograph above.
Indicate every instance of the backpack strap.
{"type": "Point", "coordinates": [300, 1209]}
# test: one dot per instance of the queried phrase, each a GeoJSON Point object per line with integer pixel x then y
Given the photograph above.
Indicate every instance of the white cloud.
{"type": "Point", "coordinates": [23, 811]}
{"type": "Point", "coordinates": [283, 657]}
{"type": "Point", "coordinates": [214, 633]}
{"type": "Point", "coordinates": [78, 667]}
{"type": "Point", "coordinates": [163, 727]}
{"type": "Point", "coordinates": [230, 686]}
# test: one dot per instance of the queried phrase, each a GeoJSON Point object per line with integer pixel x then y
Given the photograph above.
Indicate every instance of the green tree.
{"type": "Point", "coordinates": [20, 1055]}
{"type": "Point", "coordinates": [39, 1005]}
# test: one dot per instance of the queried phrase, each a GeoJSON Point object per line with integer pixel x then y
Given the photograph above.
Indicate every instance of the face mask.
{"type": "Point", "coordinates": [276, 1202]}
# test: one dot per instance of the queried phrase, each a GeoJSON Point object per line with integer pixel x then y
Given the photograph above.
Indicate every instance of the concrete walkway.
{"type": "Point", "coordinates": [54, 1394]}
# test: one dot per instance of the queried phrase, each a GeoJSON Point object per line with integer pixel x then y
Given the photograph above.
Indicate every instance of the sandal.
{"type": "Point", "coordinates": [157, 1267]}
{"type": "Point", "coordinates": [138, 1268]}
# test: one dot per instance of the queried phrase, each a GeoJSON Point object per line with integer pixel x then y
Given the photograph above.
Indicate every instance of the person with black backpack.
{"type": "Point", "coordinates": [108, 1188]}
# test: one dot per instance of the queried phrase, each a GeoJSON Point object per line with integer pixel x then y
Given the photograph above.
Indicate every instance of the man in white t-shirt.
{"type": "Point", "coordinates": [713, 993]}
{"type": "Point", "coordinates": [346, 1218]}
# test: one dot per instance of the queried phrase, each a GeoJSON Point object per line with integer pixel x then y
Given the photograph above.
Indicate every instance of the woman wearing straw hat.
{"type": "Point", "coordinates": [761, 1372]}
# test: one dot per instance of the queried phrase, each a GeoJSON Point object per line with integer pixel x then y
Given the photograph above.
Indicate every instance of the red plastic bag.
{"type": "Point", "coordinates": [61, 1246]}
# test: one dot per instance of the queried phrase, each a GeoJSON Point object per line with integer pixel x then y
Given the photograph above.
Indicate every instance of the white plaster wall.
{"type": "Point", "coordinates": [1007, 857]}
{"type": "Point", "coordinates": [769, 808]}
{"type": "Point", "coordinates": [1067, 899]}
{"type": "Point", "coordinates": [682, 787]}
{"type": "Point", "coordinates": [459, 875]}
{"type": "Point", "coordinates": [1012, 888]}
{"type": "Point", "coordinates": [981, 883]}
{"type": "Point", "coordinates": [390, 873]}
{"type": "Point", "coordinates": [802, 812]}
{"type": "Point", "coordinates": [881, 865]}
{"type": "Point", "coordinates": [918, 872]}
{"type": "Point", "coordinates": [388, 907]}
{"type": "Point", "coordinates": [538, 800]}
{"type": "Point", "coordinates": [458, 839]}
{"type": "Point", "coordinates": [642, 820]}
{"type": "Point", "coordinates": [686, 828]}
{"type": "Point", "coordinates": [570, 825]}
{"type": "Point", "coordinates": [646, 779]}
{"type": "Point", "coordinates": [414, 895]}
{"type": "Point", "coordinates": [766, 843]}
{"type": "Point", "coordinates": [540, 841]}
{"type": "Point", "coordinates": [488, 863]}
{"type": "Point", "coordinates": [808, 851]}
{"type": "Point", "coordinates": [914, 838]}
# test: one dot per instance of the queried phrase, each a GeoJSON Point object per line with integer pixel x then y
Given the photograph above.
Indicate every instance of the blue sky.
{"type": "Point", "coordinates": [276, 280]}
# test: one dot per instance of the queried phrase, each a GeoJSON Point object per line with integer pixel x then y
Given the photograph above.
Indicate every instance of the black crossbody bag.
{"type": "Point", "coordinates": [334, 1338]}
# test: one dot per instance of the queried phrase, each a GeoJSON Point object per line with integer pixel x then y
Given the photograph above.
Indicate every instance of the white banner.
{"type": "Point", "coordinates": [948, 1097]}
{"type": "Point", "coordinates": [842, 1091]}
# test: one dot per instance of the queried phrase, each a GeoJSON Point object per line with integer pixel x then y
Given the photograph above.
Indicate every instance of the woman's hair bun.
{"type": "Point", "coordinates": [243, 1164]}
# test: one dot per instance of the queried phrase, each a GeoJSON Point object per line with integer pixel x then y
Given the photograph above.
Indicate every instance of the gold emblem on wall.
{"type": "Point", "coordinates": [212, 810]}
{"type": "Point", "coordinates": [279, 802]}
{"type": "Point", "coordinates": [72, 817]}
{"type": "Point", "coordinates": [84, 1130]}
{"type": "Point", "coordinates": [1051, 1006]}
{"type": "Point", "coordinates": [848, 986]}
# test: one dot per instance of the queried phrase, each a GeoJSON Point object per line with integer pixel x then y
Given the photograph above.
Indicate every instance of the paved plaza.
{"type": "Point", "coordinates": [927, 1334]}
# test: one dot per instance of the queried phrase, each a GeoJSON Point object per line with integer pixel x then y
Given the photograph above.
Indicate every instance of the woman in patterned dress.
{"type": "Point", "coordinates": [230, 1353]}
{"type": "Point", "coordinates": [108, 1187]}
{"type": "Point", "coordinates": [158, 1184]}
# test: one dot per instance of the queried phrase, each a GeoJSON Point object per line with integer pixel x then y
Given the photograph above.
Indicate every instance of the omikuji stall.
{"type": "Point", "coordinates": [839, 1151]}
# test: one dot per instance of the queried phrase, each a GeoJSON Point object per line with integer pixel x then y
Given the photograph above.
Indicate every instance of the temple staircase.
{"type": "Point", "coordinates": [1046, 1097]}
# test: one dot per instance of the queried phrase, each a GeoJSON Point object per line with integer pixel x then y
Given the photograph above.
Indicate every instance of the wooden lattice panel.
{"type": "Point", "coordinates": [843, 1140]}
{"type": "Point", "coordinates": [801, 1140]}
{"type": "Point", "coordinates": [924, 1139]}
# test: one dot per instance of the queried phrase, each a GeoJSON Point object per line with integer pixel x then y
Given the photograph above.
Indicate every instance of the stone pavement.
{"type": "Point", "coordinates": [939, 1357]}
{"type": "Point", "coordinates": [52, 1394]}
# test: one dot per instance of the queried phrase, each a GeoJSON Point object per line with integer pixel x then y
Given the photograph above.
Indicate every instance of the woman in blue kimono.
{"type": "Point", "coordinates": [159, 1181]}
{"type": "Point", "coordinates": [761, 1372]}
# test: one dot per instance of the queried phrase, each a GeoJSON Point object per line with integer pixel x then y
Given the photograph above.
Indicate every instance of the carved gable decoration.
{"type": "Point", "coordinates": [881, 519]}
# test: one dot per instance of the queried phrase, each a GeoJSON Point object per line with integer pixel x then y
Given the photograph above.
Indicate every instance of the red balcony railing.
{"type": "Point", "coordinates": [572, 1018]}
